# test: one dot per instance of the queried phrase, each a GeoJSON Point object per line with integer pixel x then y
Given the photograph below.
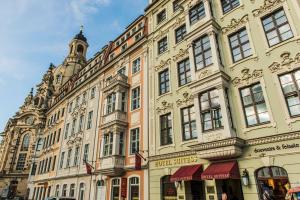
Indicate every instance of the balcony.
{"type": "Point", "coordinates": [112, 165]}
{"type": "Point", "coordinates": [115, 117]}
{"type": "Point", "coordinates": [118, 79]}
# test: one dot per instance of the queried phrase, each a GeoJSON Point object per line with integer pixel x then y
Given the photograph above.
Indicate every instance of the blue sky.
{"type": "Point", "coordinates": [34, 33]}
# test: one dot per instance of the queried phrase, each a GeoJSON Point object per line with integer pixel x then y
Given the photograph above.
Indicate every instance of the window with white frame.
{"type": "Point", "coordinates": [64, 190]}
{"type": "Point", "coordinates": [73, 126]}
{"type": "Point", "coordinates": [134, 140]}
{"type": "Point", "coordinates": [188, 120]}
{"type": "Point", "coordinates": [111, 103]}
{"type": "Point", "coordinates": [121, 143]}
{"type": "Point", "coordinates": [67, 130]}
{"type": "Point", "coordinates": [57, 190]}
{"type": "Point", "coordinates": [86, 153]}
{"type": "Point", "coordinates": [166, 129]}
{"type": "Point", "coordinates": [123, 101]}
{"type": "Point", "coordinates": [134, 191]}
{"type": "Point", "coordinates": [136, 65]}
{"type": "Point", "coordinates": [115, 189]}
{"type": "Point", "coordinates": [21, 161]}
{"type": "Point", "coordinates": [69, 158]}
{"type": "Point", "coordinates": [70, 106]}
{"type": "Point", "coordinates": [108, 144]}
{"type": "Point", "coordinates": [135, 98]}
{"type": "Point", "coordinates": [80, 125]}
{"type": "Point", "coordinates": [90, 120]}
{"type": "Point", "coordinates": [62, 157]}
{"type": "Point", "coordinates": [93, 91]}
{"type": "Point", "coordinates": [81, 191]}
{"type": "Point", "coordinates": [72, 190]}
{"type": "Point", "coordinates": [76, 156]}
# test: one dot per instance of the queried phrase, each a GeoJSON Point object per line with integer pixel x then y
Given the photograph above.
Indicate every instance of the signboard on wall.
{"type": "Point", "coordinates": [124, 187]}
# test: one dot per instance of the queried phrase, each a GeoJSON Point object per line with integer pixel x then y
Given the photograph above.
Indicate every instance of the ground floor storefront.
{"type": "Point", "coordinates": [130, 186]}
{"type": "Point", "coordinates": [13, 185]}
{"type": "Point", "coordinates": [262, 165]}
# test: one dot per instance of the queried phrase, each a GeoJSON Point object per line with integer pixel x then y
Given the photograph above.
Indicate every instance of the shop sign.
{"type": "Point", "coordinates": [176, 161]}
{"type": "Point", "coordinates": [124, 187]}
{"type": "Point", "coordinates": [280, 147]}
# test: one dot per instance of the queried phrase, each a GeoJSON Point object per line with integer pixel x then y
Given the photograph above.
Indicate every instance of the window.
{"type": "Point", "coordinates": [277, 28]}
{"type": "Point", "coordinates": [166, 129]}
{"type": "Point", "coordinates": [138, 36]}
{"type": "Point", "coordinates": [80, 126]}
{"type": "Point", "coordinates": [64, 190]}
{"type": "Point", "coordinates": [123, 101]}
{"type": "Point", "coordinates": [62, 112]}
{"type": "Point", "coordinates": [57, 190]}
{"type": "Point", "coordinates": [136, 65]}
{"type": "Point", "coordinates": [176, 5]}
{"type": "Point", "coordinates": [228, 5]}
{"type": "Point", "coordinates": [62, 160]}
{"type": "Point", "coordinates": [134, 140]}
{"type": "Point", "coordinates": [202, 52]}
{"type": "Point", "coordinates": [86, 152]}
{"type": "Point", "coordinates": [72, 190]}
{"type": "Point", "coordinates": [81, 191]}
{"type": "Point", "coordinates": [70, 107]}
{"type": "Point", "coordinates": [111, 103]}
{"type": "Point", "coordinates": [211, 117]}
{"type": "Point", "coordinates": [77, 102]}
{"type": "Point", "coordinates": [135, 98]}
{"type": "Point", "coordinates": [188, 120]}
{"type": "Point", "coordinates": [168, 188]}
{"type": "Point", "coordinates": [58, 136]}
{"type": "Point", "coordinates": [184, 72]}
{"type": "Point", "coordinates": [254, 105]}
{"type": "Point", "coordinates": [239, 45]}
{"type": "Point", "coordinates": [124, 47]}
{"type": "Point", "coordinates": [69, 158]}
{"type": "Point", "coordinates": [84, 97]}
{"type": "Point", "coordinates": [49, 164]}
{"type": "Point", "coordinates": [196, 13]}
{"type": "Point", "coordinates": [73, 126]}
{"type": "Point", "coordinates": [290, 84]}
{"type": "Point", "coordinates": [67, 130]}
{"type": "Point", "coordinates": [115, 189]}
{"type": "Point", "coordinates": [134, 188]}
{"type": "Point", "coordinates": [121, 144]}
{"type": "Point", "coordinates": [33, 169]}
{"type": "Point", "coordinates": [180, 33]}
{"type": "Point", "coordinates": [164, 82]}
{"type": "Point", "coordinates": [161, 16]}
{"type": "Point", "coordinates": [162, 45]}
{"type": "Point", "coordinates": [25, 143]}
{"type": "Point", "coordinates": [93, 90]}
{"type": "Point", "coordinates": [90, 118]}
{"type": "Point", "coordinates": [39, 144]}
{"type": "Point", "coordinates": [108, 144]}
{"type": "Point", "coordinates": [122, 70]}
{"type": "Point", "coordinates": [76, 156]}
{"type": "Point", "coordinates": [111, 56]}
{"type": "Point", "coordinates": [54, 162]}
{"type": "Point", "coordinates": [21, 161]}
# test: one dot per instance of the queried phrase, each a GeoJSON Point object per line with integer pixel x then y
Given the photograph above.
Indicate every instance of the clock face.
{"type": "Point", "coordinates": [29, 120]}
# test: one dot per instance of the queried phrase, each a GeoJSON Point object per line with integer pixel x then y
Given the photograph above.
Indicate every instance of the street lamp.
{"type": "Point", "coordinates": [245, 177]}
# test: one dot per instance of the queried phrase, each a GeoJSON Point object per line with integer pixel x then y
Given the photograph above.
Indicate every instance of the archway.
{"type": "Point", "coordinates": [274, 179]}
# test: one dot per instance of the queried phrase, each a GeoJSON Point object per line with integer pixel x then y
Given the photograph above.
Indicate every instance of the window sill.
{"type": "Point", "coordinates": [242, 6]}
{"type": "Point", "coordinates": [262, 126]}
{"type": "Point", "coordinates": [293, 39]}
{"type": "Point", "coordinates": [252, 57]}
{"type": "Point", "coordinates": [189, 142]}
{"type": "Point", "coordinates": [166, 147]}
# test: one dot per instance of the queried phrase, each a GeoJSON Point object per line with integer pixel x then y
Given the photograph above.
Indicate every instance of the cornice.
{"type": "Point", "coordinates": [273, 138]}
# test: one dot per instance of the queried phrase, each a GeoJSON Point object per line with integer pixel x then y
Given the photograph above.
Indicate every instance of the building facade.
{"type": "Point", "coordinates": [215, 69]}
{"type": "Point", "coordinates": [194, 99]}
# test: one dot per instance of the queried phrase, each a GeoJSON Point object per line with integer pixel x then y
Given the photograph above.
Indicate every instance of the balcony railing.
{"type": "Point", "coordinates": [112, 165]}
{"type": "Point", "coordinates": [115, 117]}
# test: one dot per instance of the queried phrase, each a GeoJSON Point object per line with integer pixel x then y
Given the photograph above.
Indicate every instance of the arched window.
{"type": "Point", "coordinates": [57, 190]}
{"type": "Point", "coordinates": [134, 190]}
{"type": "Point", "coordinates": [64, 190]}
{"type": "Point", "coordinates": [39, 144]}
{"type": "Point", "coordinates": [273, 180]}
{"type": "Point", "coordinates": [80, 48]}
{"type": "Point", "coordinates": [81, 191]}
{"type": "Point", "coordinates": [168, 189]}
{"type": "Point", "coordinates": [72, 190]}
{"type": "Point", "coordinates": [25, 143]}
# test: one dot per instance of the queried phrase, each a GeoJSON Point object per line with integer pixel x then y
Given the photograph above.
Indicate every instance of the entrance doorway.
{"type": "Point", "coordinates": [101, 190]}
{"type": "Point", "coordinates": [232, 187]}
{"type": "Point", "coordinates": [274, 179]}
{"type": "Point", "coordinates": [194, 190]}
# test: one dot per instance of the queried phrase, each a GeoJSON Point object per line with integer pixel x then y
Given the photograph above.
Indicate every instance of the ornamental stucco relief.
{"type": "Point", "coordinates": [268, 5]}
{"type": "Point", "coordinates": [235, 23]}
{"type": "Point", "coordinates": [247, 77]}
{"type": "Point", "coordinates": [287, 62]}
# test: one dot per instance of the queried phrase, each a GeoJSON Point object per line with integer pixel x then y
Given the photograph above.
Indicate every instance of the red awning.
{"type": "Point", "coordinates": [294, 190]}
{"type": "Point", "coordinates": [227, 170]}
{"type": "Point", "coordinates": [187, 173]}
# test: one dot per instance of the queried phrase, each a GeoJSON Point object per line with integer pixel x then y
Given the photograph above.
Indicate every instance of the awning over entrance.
{"type": "Point", "coordinates": [227, 170]}
{"type": "Point", "coordinates": [187, 173]}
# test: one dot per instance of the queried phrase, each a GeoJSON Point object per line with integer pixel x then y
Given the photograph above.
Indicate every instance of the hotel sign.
{"type": "Point", "coordinates": [176, 161]}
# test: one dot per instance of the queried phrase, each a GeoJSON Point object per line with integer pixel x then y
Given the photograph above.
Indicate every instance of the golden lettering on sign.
{"type": "Point", "coordinates": [176, 161]}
